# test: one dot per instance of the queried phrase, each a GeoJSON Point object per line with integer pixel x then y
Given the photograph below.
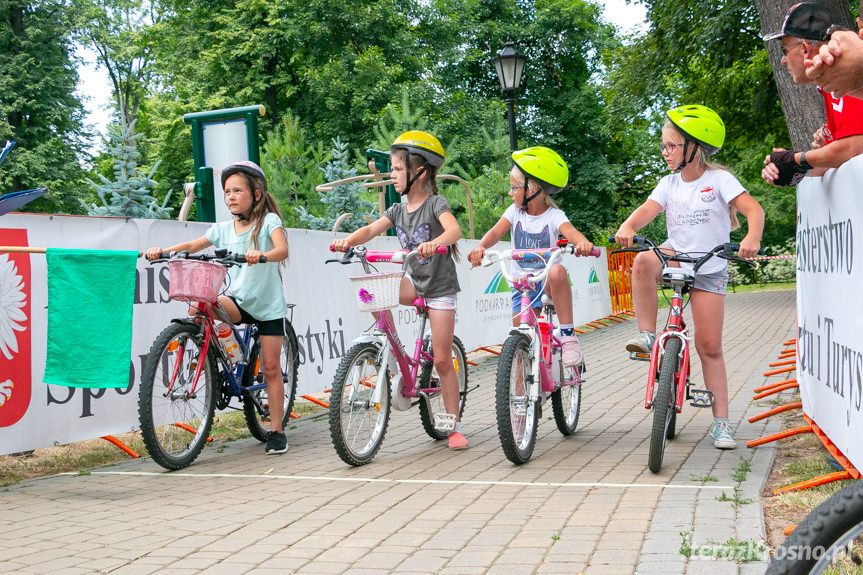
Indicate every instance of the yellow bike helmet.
{"type": "Point", "coordinates": [423, 144]}
{"type": "Point", "coordinates": [542, 164]}
{"type": "Point", "coordinates": [700, 124]}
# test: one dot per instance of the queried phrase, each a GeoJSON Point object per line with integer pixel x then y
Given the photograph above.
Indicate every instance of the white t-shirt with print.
{"type": "Point", "coordinates": [696, 213]}
{"type": "Point", "coordinates": [533, 232]}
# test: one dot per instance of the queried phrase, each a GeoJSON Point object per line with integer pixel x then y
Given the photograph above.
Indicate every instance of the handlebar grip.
{"type": "Point", "coordinates": [611, 239]}
{"type": "Point", "coordinates": [596, 252]}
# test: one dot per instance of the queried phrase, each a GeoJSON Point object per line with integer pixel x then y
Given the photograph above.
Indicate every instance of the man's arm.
{"type": "Point", "coordinates": [832, 155]}
{"type": "Point", "coordinates": [838, 66]}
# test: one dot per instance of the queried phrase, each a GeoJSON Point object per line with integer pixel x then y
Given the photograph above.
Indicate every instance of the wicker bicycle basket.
{"type": "Point", "coordinates": [192, 280]}
{"type": "Point", "coordinates": [377, 292]}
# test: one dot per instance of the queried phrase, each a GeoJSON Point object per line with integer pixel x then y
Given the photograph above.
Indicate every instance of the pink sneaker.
{"type": "Point", "coordinates": [457, 441]}
{"type": "Point", "coordinates": [571, 350]}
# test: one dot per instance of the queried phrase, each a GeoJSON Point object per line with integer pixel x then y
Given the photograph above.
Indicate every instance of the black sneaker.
{"type": "Point", "coordinates": [276, 443]}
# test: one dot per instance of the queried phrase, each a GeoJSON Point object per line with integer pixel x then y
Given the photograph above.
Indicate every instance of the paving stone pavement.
{"type": "Point", "coordinates": [586, 503]}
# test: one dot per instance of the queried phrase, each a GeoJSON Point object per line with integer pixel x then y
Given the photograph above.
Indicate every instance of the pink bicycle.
{"type": "Point", "coordinates": [530, 368]}
{"type": "Point", "coordinates": [377, 373]}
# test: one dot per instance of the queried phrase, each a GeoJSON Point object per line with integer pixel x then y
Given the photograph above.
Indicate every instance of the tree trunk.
{"type": "Point", "coordinates": [802, 105]}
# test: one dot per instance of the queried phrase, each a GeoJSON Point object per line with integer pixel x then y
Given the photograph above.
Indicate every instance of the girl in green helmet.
{"type": "Point", "coordinates": [535, 221]}
{"type": "Point", "coordinates": [696, 199]}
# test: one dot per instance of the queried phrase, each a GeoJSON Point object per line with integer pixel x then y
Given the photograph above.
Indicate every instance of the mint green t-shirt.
{"type": "Point", "coordinates": [257, 288]}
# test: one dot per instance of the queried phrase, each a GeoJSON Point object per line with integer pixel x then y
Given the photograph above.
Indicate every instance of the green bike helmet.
{"type": "Point", "coordinates": [544, 165]}
{"type": "Point", "coordinates": [701, 125]}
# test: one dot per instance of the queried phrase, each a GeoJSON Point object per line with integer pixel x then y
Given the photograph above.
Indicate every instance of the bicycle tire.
{"type": "Point", "coordinates": [255, 406]}
{"type": "Point", "coordinates": [671, 432]}
{"type": "Point", "coordinates": [161, 418]}
{"type": "Point", "coordinates": [831, 530]}
{"type": "Point", "coordinates": [430, 404]}
{"type": "Point", "coordinates": [350, 410]}
{"type": "Point", "coordinates": [663, 403]}
{"type": "Point", "coordinates": [566, 404]}
{"type": "Point", "coordinates": [517, 418]}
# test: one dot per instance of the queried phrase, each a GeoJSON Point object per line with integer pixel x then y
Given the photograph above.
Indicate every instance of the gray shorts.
{"type": "Point", "coordinates": [714, 283]}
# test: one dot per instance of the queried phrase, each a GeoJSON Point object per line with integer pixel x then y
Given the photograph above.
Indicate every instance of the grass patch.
{"type": "Point", "coordinates": [703, 479]}
{"type": "Point", "coordinates": [736, 500]}
{"type": "Point", "coordinates": [742, 469]}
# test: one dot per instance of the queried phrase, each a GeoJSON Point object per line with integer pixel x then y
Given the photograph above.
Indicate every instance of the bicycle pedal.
{"type": "Point", "coordinates": [444, 421]}
{"type": "Point", "coordinates": [639, 355]}
{"type": "Point", "coordinates": [701, 398]}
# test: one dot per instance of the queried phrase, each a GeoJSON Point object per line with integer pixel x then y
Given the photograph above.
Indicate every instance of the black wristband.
{"type": "Point", "coordinates": [803, 163]}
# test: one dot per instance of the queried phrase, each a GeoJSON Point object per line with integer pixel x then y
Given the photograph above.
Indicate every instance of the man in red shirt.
{"type": "Point", "coordinates": [807, 27]}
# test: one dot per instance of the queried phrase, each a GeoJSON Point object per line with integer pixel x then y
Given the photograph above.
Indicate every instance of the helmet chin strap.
{"type": "Point", "coordinates": [419, 173]}
{"type": "Point", "coordinates": [525, 199]}
{"type": "Point", "coordinates": [686, 162]}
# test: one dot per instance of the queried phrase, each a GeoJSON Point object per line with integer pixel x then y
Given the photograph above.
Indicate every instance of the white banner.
{"type": "Point", "coordinates": [829, 316]}
{"type": "Point", "coordinates": [325, 317]}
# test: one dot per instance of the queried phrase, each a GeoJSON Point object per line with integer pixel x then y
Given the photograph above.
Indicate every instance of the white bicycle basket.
{"type": "Point", "coordinates": [377, 292]}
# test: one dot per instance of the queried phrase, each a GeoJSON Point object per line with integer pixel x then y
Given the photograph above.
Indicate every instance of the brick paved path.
{"type": "Point", "coordinates": [582, 504]}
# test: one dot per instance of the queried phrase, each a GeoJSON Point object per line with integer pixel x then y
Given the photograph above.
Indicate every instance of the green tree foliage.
{"type": "Point", "coordinates": [343, 199]}
{"type": "Point", "coordinates": [38, 107]}
{"type": "Point", "coordinates": [129, 193]}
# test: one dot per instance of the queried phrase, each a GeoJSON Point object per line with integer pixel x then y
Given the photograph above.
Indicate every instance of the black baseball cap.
{"type": "Point", "coordinates": [805, 20]}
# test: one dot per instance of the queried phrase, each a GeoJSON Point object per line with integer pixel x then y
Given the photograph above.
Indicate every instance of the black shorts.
{"type": "Point", "coordinates": [267, 327]}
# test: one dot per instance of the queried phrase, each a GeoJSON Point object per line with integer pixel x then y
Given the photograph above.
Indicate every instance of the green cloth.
{"type": "Point", "coordinates": [90, 299]}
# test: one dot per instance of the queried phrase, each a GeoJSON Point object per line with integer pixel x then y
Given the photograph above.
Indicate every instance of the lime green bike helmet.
{"type": "Point", "coordinates": [544, 165]}
{"type": "Point", "coordinates": [701, 125]}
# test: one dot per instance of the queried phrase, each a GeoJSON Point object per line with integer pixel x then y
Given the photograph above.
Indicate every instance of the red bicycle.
{"type": "Point", "coordinates": [669, 357]}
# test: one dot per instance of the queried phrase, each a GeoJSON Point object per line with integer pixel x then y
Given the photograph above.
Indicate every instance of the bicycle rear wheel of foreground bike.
{"type": "Point", "coordinates": [566, 403]}
{"type": "Point", "coordinates": [663, 403]}
{"type": "Point", "coordinates": [828, 540]}
{"type": "Point", "coordinates": [357, 426]}
{"type": "Point", "coordinates": [175, 427]}
{"type": "Point", "coordinates": [430, 404]}
{"type": "Point", "coordinates": [517, 417]}
{"type": "Point", "coordinates": [255, 405]}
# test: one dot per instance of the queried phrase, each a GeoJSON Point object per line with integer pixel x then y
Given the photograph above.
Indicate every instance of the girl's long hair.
{"type": "Point", "coordinates": [261, 208]}
{"type": "Point", "coordinates": [702, 162]}
{"type": "Point", "coordinates": [414, 162]}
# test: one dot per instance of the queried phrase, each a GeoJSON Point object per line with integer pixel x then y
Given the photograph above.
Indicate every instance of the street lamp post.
{"type": "Point", "coordinates": [509, 64]}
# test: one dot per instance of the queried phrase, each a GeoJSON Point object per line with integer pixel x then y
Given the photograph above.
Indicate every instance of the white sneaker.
{"type": "Point", "coordinates": [723, 438]}
{"type": "Point", "coordinates": [642, 343]}
{"type": "Point", "coordinates": [571, 350]}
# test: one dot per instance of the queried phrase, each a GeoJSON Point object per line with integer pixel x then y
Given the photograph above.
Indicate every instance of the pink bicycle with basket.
{"type": "Point", "coordinates": [377, 374]}
{"type": "Point", "coordinates": [530, 369]}
{"type": "Point", "coordinates": [187, 375]}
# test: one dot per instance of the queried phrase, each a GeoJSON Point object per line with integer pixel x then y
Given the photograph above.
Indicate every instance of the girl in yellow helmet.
{"type": "Point", "coordinates": [535, 221]}
{"type": "Point", "coordinates": [424, 221]}
{"type": "Point", "coordinates": [696, 199]}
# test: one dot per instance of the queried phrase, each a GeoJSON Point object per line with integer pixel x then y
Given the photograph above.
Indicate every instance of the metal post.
{"type": "Point", "coordinates": [513, 140]}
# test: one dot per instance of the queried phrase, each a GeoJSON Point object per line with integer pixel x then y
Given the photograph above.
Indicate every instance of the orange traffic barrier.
{"type": "Point", "coordinates": [790, 342]}
{"type": "Point", "coordinates": [773, 385]}
{"type": "Point", "coordinates": [775, 410]}
{"type": "Point", "coordinates": [620, 281]}
{"type": "Point", "coordinates": [779, 435]}
{"type": "Point", "coordinates": [189, 428]}
{"type": "Point", "coordinates": [815, 482]}
{"type": "Point", "coordinates": [316, 400]}
{"type": "Point", "coordinates": [121, 445]}
{"type": "Point", "coordinates": [778, 363]}
{"type": "Point", "coordinates": [774, 390]}
{"type": "Point", "coordinates": [789, 529]}
{"type": "Point", "coordinates": [783, 370]}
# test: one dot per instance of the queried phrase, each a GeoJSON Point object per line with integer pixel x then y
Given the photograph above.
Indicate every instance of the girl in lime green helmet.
{"type": "Point", "coordinates": [696, 199]}
{"type": "Point", "coordinates": [537, 174]}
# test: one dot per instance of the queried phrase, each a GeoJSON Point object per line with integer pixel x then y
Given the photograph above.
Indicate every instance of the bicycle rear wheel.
{"type": "Point", "coordinates": [430, 404]}
{"type": "Point", "coordinates": [663, 403]}
{"type": "Point", "coordinates": [358, 426]}
{"type": "Point", "coordinates": [175, 426]}
{"type": "Point", "coordinates": [566, 403]}
{"type": "Point", "coordinates": [828, 540]}
{"type": "Point", "coordinates": [255, 405]}
{"type": "Point", "coordinates": [517, 416]}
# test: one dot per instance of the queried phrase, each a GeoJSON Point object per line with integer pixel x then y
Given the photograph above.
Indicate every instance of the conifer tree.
{"type": "Point", "coordinates": [342, 199]}
{"type": "Point", "coordinates": [129, 194]}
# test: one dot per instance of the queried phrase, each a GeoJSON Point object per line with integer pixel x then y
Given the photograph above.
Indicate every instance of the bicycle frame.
{"type": "Point", "coordinates": [675, 327]}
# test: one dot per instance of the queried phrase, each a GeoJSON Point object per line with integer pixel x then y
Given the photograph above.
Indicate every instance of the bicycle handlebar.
{"type": "Point", "coordinates": [553, 254]}
{"type": "Point", "coordinates": [727, 251]}
{"type": "Point", "coordinates": [361, 252]}
{"type": "Point", "coordinates": [220, 256]}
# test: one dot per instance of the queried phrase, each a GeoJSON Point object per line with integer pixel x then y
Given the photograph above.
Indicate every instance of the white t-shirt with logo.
{"type": "Point", "coordinates": [696, 213]}
{"type": "Point", "coordinates": [533, 232]}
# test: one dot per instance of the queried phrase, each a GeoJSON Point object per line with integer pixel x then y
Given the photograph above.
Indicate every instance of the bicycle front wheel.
{"type": "Point", "coordinates": [566, 403]}
{"type": "Point", "coordinates": [357, 425]}
{"type": "Point", "coordinates": [256, 406]}
{"type": "Point", "coordinates": [517, 415]}
{"type": "Point", "coordinates": [828, 540]}
{"type": "Point", "coordinates": [432, 403]}
{"type": "Point", "coordinates": [663, 403]}
{"type": "Point", "coordinates": [176, 420]}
